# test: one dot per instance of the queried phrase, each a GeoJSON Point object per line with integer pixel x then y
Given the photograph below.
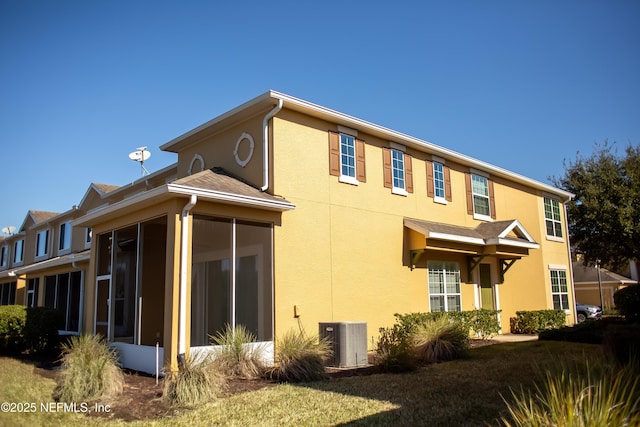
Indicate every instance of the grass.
{"type": "Point", "coordinates": [194, 383]}
{"type": "Point", "coordinates": [439, 340]}
{"type": "Point", "coordinates": [461, 392]}
{"type": "Point", "coordinates": [299, 358]}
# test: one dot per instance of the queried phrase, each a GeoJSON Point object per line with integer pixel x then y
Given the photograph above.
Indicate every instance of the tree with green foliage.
{"type": "Point", "coordinates": [604, 216]}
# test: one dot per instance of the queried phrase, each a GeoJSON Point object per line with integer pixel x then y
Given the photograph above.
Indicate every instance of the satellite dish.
{"type": "Point", "coordinates": [140, 155]}
{"type": "Point", "coordinates": [9, 230]}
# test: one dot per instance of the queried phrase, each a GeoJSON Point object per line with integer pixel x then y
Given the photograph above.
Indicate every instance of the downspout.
{"type": "Point", "coordinates": [265, 144]}
{"type": "Point", "coordinates": [182, 313]}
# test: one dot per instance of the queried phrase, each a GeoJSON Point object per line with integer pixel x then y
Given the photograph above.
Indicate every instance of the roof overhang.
{"type": "Point", "coordinates": [271, 98]}
{"type": "Point", "coordinates": [169, 191]}
{"type": "Point", "coordinates": [69, 259]}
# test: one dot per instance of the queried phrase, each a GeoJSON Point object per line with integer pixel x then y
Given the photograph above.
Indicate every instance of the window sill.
{"type": "Point", "coordinates": [348, 180]}
{"type": "Point", "coordinates": [399, 191]}
{"type": "Point", "coordinates": [64, 251]}
{"type": "Point", "coordinates": [555, 239]}
{"type": "Point", "coordinates": [440, 200]}
{"type": "Point", "coordinates": [482, 217]}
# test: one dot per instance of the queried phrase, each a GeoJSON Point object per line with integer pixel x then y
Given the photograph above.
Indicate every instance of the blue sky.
{"type": "Point", "coordinates": [520, 84]}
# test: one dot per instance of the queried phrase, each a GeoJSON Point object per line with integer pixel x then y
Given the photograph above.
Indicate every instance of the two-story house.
{"type": "Point", "coordinates": [282, 214]}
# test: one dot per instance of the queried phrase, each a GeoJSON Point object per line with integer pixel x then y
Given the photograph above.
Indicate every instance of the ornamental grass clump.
{"type": "Point", "coordinates": [299, 358]}
{"type": "Point", "coordinates": [239, 355]}
{"type": "Point", "coordinates": [393, 351]}
{"type": "Point", "coordinates": [89, 371]}
{"type": "Point", "coordinates": [578, 398]}
{"type": "Point", "coordinates": [195, 382]}
{"type": "Point", "coordinates": [439, 340]}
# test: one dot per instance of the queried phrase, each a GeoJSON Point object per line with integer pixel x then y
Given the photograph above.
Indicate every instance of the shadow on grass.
{"type": "Point", "coordinates": [465, 392]}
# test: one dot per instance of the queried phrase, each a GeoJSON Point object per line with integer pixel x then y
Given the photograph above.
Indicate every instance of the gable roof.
{"type": "Point", "coordinates": [485, 234]}
{"type": "Point", "coordinates": [587, 274]}
{"type": "Point", "coordinates": [271, 98]}
{"type": "Point", "coordinates": [36, 217]}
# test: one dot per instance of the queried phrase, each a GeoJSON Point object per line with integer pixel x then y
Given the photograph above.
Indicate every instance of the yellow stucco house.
{"type": "Point", "coordinates": [283, 214]}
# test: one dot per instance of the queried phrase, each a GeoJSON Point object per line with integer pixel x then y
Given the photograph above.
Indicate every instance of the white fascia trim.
{"type": "Point", "coordinates": [456, 238]}
{"type": "Point", "coordinates": [430, 147]}
{"type": "Point", "coordinates": [516, 224]}
{"type": "Point", "coordinates": [53, 262]}
{"type": "Point", "coordinates": [231, 198]}
{"type": "Point", "coordinates": [510, 242]}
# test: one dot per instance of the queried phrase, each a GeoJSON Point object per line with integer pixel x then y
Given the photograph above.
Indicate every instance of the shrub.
{"type": "Point", "coordinates": [12, 321]}
{"type": "Point", "coordinates": [194, 383]}
{"type": "Point", "coordinates": [622, 344]}
{"type": "Point", "coordinates": [393, 351]}
{"type": "Point", "coordinates": [597, 397]}
{"type": "Point", "coordinates": [627, 301]}
{"type": "Point", "coordinates": [589, 331]}
{"type": "Point", "coordinates": [483, 323]}
{"type": "Point", "coordinates": [439, 340]}
{"type": "Point", "coordinates": [237, 356]}
{"type": "Point", "coordinates": [33, 329]}
{"type": "Point", "coordinates": [299, 358]}
{"type": "Point", "coordinates": [531, 322]}
{"type": "Point", "coordinates": [89, 370]}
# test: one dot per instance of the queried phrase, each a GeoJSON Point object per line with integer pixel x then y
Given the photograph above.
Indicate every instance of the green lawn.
{"type": "Point", "coordinates": [461, 392]}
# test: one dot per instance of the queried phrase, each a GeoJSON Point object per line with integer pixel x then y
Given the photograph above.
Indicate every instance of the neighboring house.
{"type": "Point", "coordinates": [588, 285]}
{"type": "Point", "coordinates": [281, 214]}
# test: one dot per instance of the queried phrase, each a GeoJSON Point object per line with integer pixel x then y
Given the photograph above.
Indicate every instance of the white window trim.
{"type": "Point", "coordinates": [402, 191]}
{"type": "Point", "coordinates": [88, 232]}
{"type": "Point", "coordinates": [478, 216]}
{"type": "Point", "coordinates": [49, 234]}
{"type": "Point", "coordinates": [399, 191]}
{"type": "Point", "coordinates": [445, 293]}
{"type": "Point", "coordinates": [4, 259]}
{"type": "Point", "coordinates": [557, 267]}
{"type": "Point", "coordinates": [438, 199]}
{"type": "Point", "coordinates": [348, 179]}
{"type": "Point", "coordinates": [353, 180]}
{"type": "Point", "coordinates": [544, 214]}
{"type": "Point", "coordinates": [482, 217]}
{"type": "Point", "coordinates": [63, 251]}
{"type": "Point", "coordinates": [13, 255]}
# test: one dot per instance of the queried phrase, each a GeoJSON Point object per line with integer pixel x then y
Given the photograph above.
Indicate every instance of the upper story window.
{"type": "Point", "coordinates": [4, 255]}
{"type": "Point", "coordinates": [42, 243]}
{"type": "Point", "coordinates": [18, 251]}
{"type": "Point", "coordinates": [65, 236]}
{"type": "Point", "coordinates": [480, 198]}
{"type": "Point", "coordinates": [87, 236]}
{"type": "Point", "coordinates": [347, 158]}
{"type": "Point", "coordinates": [397, 171]}
{"type": "Point", "coordinates": [439, 181]}
{"type": "Point", "coordinates": [552, 218]}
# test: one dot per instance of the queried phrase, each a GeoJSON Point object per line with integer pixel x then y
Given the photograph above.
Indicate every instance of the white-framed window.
{"type": "Point", "coordinates": [87, 236]}
{"type": "Point", "coordinates": [65, 236]}
{"type": "Point", "coordinates": [347, 156]}
{"type": "Point", "coordinates": [559, 289]}
{"type": "Point", "coordinates": [438, 181]}
{"type": "Point", "coordinates": [552, 218]}
{"type": "Point", "coordinates": [18, 251]}
{"type": "Point", "coordinates": [42, 243]}
{"type": "Point", "coordinates": [32, 292]}
{"type": "Point", "coordinates": [397, 170]}
{"type": "Point", "coordinates": [480, 191]}
{"type": "Point", "coordinates": [444, 286]}
{"type": "Point", "coordinates": [4, 256]}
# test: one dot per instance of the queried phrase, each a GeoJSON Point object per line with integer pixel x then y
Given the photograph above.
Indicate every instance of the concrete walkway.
{"type": "Point", "coordinates": [515, 338]}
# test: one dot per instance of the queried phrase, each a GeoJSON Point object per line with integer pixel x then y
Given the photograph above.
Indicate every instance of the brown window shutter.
{"type": "Point", "coordinates": [386, 168]}
{"type": "Point", "coordinates": [361, 172]}
{"type": "Point", "coordinates": [492, 200]}
{"type": "Point", "coordinates": [430, 189]}
{"type": "Point", "coordinates": [334, 153]}
{"type": "Point", "coordinates": [447, 183]}
{"type": "Point", "coordinates": [408, 174]}
{"type": "Point", "coordinates": [467, 180]}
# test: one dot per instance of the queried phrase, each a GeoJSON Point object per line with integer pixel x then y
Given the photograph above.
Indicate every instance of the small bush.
{"type": "Point", "coordinates": [194, 383]}
{"type": "Point", "coordinates": [627, 301]}
{"type": "Point", "coordinates": [439, 340]}
{"type": "Point", "coordinates": [569, 397]}
{"type": "Point", "coordinates": [532, 322]}
{"type": "Point", "coordinates": [299, 358]}
{"type": "Point", "coordinates": [89, 370]}
{"type": "Point", "coordinates": [237, 355]}
{"type": "Point", "coordinates": [482, 323]}
{"type": "Point", "coordinates": [393, 351]}
{"type": "Point", "coordinates": [28, 329]}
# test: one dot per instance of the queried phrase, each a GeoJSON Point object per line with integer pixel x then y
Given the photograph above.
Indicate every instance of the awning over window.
{"type": "Point", "coordinates": [507, 241]}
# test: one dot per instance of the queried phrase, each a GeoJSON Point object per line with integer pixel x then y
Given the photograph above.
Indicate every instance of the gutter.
{"type": "Point", "coordinates": [265, 144]}
{"type": "Point", "coordinates": [182, 313]}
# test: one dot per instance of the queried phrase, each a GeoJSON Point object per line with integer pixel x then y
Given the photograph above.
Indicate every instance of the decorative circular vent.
{"type": "Point", "coordinates": [196, 158]}
{"type": "Point", "coordinates": [243, 162]}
